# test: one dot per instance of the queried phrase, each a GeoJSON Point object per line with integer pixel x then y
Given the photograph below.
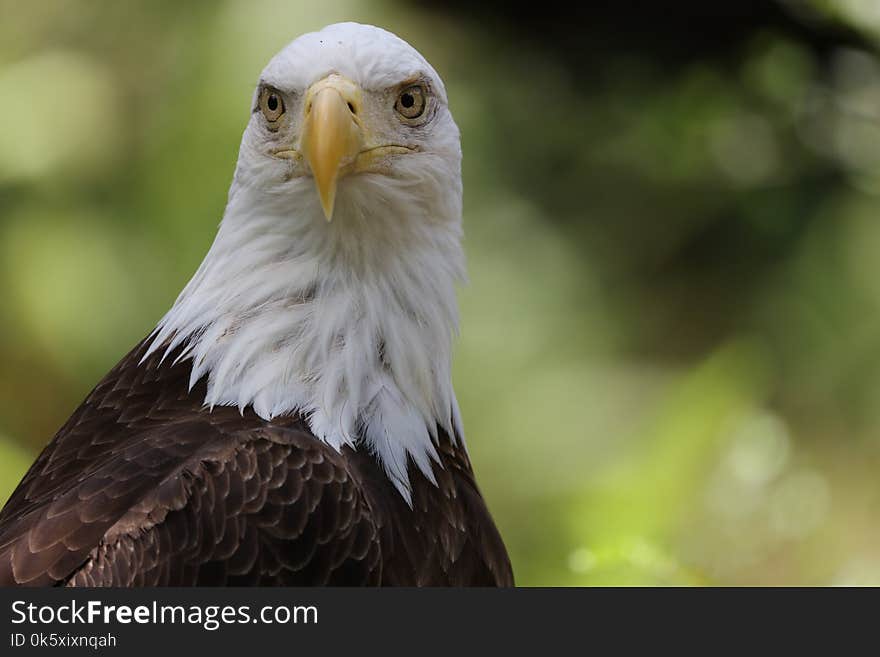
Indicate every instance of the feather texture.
{"type": "Point", "coordinates": [144, 486]}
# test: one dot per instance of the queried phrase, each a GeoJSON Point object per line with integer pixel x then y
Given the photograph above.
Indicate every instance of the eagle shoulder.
{"type": "Point", "coordinates": [271, 505]}
{"type": "Point", "coordinates": [143, 485]}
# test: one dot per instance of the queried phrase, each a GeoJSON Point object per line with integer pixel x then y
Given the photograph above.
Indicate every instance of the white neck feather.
{"type": "Point", "coordinates": [349, 323]}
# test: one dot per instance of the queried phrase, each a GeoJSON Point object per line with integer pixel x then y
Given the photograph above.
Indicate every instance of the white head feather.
{"type": "Point", "coordinates": [350, 322]}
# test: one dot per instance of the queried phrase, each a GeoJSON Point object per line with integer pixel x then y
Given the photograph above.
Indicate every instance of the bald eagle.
{"type": "Point", "coordinates": [291, 420]}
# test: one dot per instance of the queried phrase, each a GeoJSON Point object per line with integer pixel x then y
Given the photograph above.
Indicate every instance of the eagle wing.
{"type": "Point", "coordinates": [141, 488]}
{"type": "Point", "coordinates": [271, 507]}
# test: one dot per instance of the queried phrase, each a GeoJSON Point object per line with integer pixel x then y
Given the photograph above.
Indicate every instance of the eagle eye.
{"type": "Point", "coordinates": [411, 102]}
{"type": "Point", "coordinates": [271, 104]}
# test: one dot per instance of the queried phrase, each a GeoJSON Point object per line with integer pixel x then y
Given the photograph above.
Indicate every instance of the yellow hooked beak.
{"type": "Point", "coordinates": [332, 134]}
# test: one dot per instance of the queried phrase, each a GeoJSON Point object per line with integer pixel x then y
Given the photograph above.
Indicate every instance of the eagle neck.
{"type": "Point", "coordinates": [348, 324]}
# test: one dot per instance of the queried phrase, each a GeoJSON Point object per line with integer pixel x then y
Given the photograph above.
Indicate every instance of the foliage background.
{"type": "Point", "coordinates": [670, 359]}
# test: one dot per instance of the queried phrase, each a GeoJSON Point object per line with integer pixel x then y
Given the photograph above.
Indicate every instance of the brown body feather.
{"type": "Point", "coordinates": [143, 486]}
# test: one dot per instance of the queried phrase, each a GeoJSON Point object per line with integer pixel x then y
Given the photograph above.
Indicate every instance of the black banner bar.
{"type": "Point", "coordinates": [405, 621]}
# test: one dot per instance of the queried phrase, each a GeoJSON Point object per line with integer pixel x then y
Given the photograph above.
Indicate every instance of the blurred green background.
{"type": "Point", "coordinates": [670, 356]}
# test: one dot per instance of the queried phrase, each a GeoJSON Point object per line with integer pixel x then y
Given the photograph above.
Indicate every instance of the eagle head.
{"type": "Point", "coordinates": [351, 109]}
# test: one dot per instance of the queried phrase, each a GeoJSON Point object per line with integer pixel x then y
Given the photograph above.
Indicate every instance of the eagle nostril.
{"type": "Point", "coordinates": [351, 108]}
